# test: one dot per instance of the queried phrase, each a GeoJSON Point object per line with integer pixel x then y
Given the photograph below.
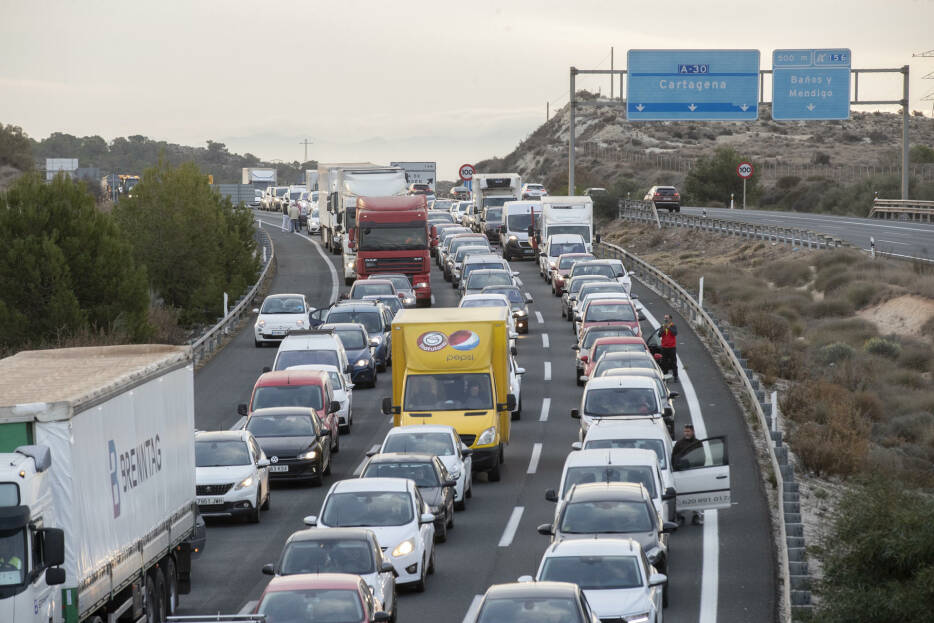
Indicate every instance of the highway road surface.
{"type": "Point", "coordinates": [897, 237]}
{"type": "Point", "coordinates": [721, 571]}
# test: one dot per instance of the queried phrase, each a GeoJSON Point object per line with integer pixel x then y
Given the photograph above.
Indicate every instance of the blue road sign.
{"type": "Point", "coordinates": [692, 85]}
{"type": "Point", "coordinates": [811, 84]}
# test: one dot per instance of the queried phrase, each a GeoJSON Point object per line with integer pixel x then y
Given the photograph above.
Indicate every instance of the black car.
{"type": "Point", "coordinates": [518, 302]}
{"type": "Point", "coordinates": [373, 316]}
{"type": "Point", "coordinates": [356, 341]}
{"type": "Point", "coordinates": [297, 444]}
{"type": "Point", "coordinates": [430, 476]}
{"type": "Point", "coordinates": [664, 197]}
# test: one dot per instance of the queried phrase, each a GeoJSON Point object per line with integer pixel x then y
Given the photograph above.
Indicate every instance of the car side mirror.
{"type": "Point", "coordinates": [386, 406]}
{"type": "Point", "coordinates": [641, 316]}
{"type": "Point", "coordinates": [520, 371]}
{"type": "Point", "coordinates": [669, 494]}
{"type": "Point", "coordinates": [266, 369]}
{"type": "Point", "coordinates": [511, 402]}
{"type": "Point", "coordinates": [514, 351]}
{"type": "Point", "coordinates": [325, 431]}
{"type": "Point", "coordinates": [54, 576]}
{"type": "Point", "coordinates": [241, 409]}
{"type": "Point", "coordinates": [53, 547]}
{"type": "Point", "coordinates": [269, 569]}
{"type": "Point", "coordinates": [577, 317]}
{"type": "Point", "coordinates": [256, 310]}
{"type": "Point", "coordinates": [386, 567]}
{"type": "Point", "coordinates": [583, 378]}
{"type": "Point", "coordinates": [347, 369]}
{"type": "Point", "coordinates": [575, 414]}
{"type": "Point", "coordinates": [334, 407]}
{"type": "Point", "coordinates": [262, 463]}
{"type": "Point", "coordinates": [674, 395]}
{"type": "Point", "coordinates": [667, 412]}
{"type": "Point", "coordinates": [428, 518]}
{"type": "Point", "coordinates": [311, 520]}
{"type": "Point", "coordinates": [546, 529]}
{"type": "Point", "coordinates": [576, 445]}
{"type": "Point", "coordinates": [528, 298]}
{"type": "Point", "coordinates": [658, 579]}
{"type": "Point", "coordinates": [551, 495]}
{"type": "Point", "coordinates": [449, 483]}
{"type": "Point", "coordinates": [465, 452]}
{"type": "Point", "coordinates": [668, 527]}
{"type": "Point", "coordinates": [525, 579]}
{"type": "Point", "coordinates": [381, 617]}
{"type": "Point", "coordinates": [576, 347]}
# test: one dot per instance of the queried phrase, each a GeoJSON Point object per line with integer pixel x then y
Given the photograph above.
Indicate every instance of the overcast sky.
{"type": "Point", "coordinates": [378, 81]}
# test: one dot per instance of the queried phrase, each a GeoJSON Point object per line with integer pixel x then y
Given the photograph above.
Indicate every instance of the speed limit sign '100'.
{"type": "Point", "coordinates": [744, 170]}
{"type": "Point", "coordinates": [466, 172]}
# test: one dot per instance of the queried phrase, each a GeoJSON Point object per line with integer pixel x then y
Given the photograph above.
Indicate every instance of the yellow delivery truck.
{"type": "Point", "coordinates": [450, 366]}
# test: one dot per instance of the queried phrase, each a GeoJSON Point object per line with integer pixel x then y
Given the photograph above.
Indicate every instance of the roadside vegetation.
{"type": "Point", "coordinates": [153, 269]}
{"type": "Point", "coordinates": [848, 341]}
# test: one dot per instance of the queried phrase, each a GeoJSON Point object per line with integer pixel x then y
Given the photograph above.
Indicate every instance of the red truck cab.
{"type": "Point", "coordinates": [392, 237]}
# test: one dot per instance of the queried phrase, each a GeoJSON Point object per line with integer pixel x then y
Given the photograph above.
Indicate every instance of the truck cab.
{"type": "Point", "coordinates": [451, 366]}
{"type": "Point", "coordinates": [493, 190]}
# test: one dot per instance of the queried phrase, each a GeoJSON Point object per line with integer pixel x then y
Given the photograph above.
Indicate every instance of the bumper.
{"type": "Point", "coordinates": [363, 375]}
{"type": "Point", "coordinates": [232, 503]}
{"type": "Point", "coordinates": [485, 458]}
{"type": "Point", "coordinates": [343, 417]}
{"type": "Point", "coordinates": [514, 248]}
{"type": "Point", "coordinates": [406, 562]}
{"type": "Point", "coordinates": [297, 470]}
{"type": "Point", "coordinates": [522, 324]}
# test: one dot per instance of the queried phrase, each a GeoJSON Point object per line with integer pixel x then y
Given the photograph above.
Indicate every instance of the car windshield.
{"type": "Point", "coordinates": [577, 284]}
{"type": "Point", "coordinates": [438, 444]}
{"type": "Point", "coordinates": [481, 280]}
{"type": "Point", "coordinates": [560, 248]}
{"type": "Point", "coordinates": [606, 517]}
{"type": "Point", "coordinates": [665, 190]}
{"type": "Point", "coordinates": [581, 230]}
{"type": "Point", "coordinates": [448, 392]}
{"type": "Point", "coordinates": [530, 610]}
{"type": "Point", "coordinates": [422, 473]}
{"type": "Point", "coordinates": [656, 445]}
{"type": "Point", "coordinates": [281, 192]}
{"type": "Point", "coordinates": [464, 251]}
{"type": "Point", "coordinates": [352, 339]}
{"type": "Point", "coordinates": [610, 401]}
{"type": "Point", "coordinates": [494, 215]}
{"type": "Point", "coordinates": [490, 302]}
{"type": "Point", "coordinates": [288, 396]}
{"type": "Point", "coordinates": [328, 556]}
{"type": "Point", "coordinates": [597, 332]}
{"type": "Point", "coordinates": [281, 425]}
{"type": "Point", "coordinates": [518, 221]}
{"type": "Point", "coordinates": [293, 606]}
{"type": "Point", "coordinates": [362, 288]}
{"type": "Point", "coordinates": [370, 320]}
{"type": "Point", "coordinates": [614, 362]}
{"type": "Point", "coordinates": [568, 262]}
{"type": "Point", "coordinates": [392, 302]}
{"type": "Point", "coordinates": [392, 236]}
{"type": "Point", "coordinates": [221, 453]}
{"type": "Point", "coordinates": [460, 243]}
{"type": "Point", "coordinates": [400, 282]}
{"type": "Point", "coordinates": [593, 572]}
{"type": "Point", "coordinates": [295, 195]}
{"type": "Point", "coordinates": [600, 287]}
{"type": "Point", "coordinates": [283, 305]}
{"type": "Point", "coordinates": [289, 358]}
{"type": "Point", "coordinates": [609, 473]}
{"type": "Point", "coordinates": [610, 312]}
{"type": "Point", "coordinates": [594, 269]}
{"type": "Point", "coordinates": [496, 201]}
{"type": "Point", "coordinates": [512, 294]}
{"type": "Point", "coordinates": [602, 349]}
{"type": "Point", "coordinates": [368, 508]}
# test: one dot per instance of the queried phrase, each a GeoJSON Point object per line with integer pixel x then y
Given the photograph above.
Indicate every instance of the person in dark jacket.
{"type": "Point", "coordinates": [668, 332]}
{"type": "Point", "coordinates": [687, 442]}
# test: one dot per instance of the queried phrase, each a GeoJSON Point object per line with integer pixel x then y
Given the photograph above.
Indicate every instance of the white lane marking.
{"type": "Point", "coordinates": [547, 370]}
{"type": "Point", "coordinates": [895, 242]}
{"type": "Point", "coordinates": [533, 462]}
{"type": "Point", "coordinates": [511, 526]}
{"type": "Point", "coordinates": [538, 317]}
{"type": "Point", "coordinates": [432, 299]}
{"type": "Point", "coordinates": [334, 280]}
{"type": "Point", "coordinates": [472, 610]}
{"type": "Point", "coordinates": [359, 468]}
{"type": "Point", "coordinates": [710, 579]}
{"type": "Point", "coordinates": [825, 220]}
{"type": "Point", "coordinates": [248, 607]}
{"type": "Point", "coordinates": [546, 405]}
{"type": "Point", "coordinates": [545, 342]}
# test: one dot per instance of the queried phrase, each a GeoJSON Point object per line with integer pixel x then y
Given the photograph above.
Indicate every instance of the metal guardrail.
{"type": "Point", "coordinates": [799, 238]}
{"type": "Point", "coordinates": [211, 340]}
{"type": "Point", "coordinates": [903, 209]}
{"type": "Point", "coordinates": [792, 561]}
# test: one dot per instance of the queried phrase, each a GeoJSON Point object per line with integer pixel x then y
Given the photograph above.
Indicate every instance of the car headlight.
{"type": "Point", "coordinates": [361, 362]}
{"type": "Point", "coordinates": [243, 484]}
{"type": "Point", "coordinates": [642, 617]}
{"type": "Point", "coordinates": [521, 312]}
{"type": "Point", "coordinates": [376, 340]}
{"type": "Point", "coordinates": [349, 266]}
{"type": "Point", "coordinates": [455, 473]}
{"type": "Point", "coordinates": [552, 265]}
{"type": "Point", "coordinates": [513, 238]}
{"type": "Point", "coordinates": [300, 323]}
{"type": "Point", "coordinates": [487, 436]}
{"type": "Point", "coordinates": [308, 454]}
{"type": "Point", "coordinates": [404, 548]}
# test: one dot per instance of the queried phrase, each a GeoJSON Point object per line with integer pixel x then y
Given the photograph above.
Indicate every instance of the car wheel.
{"type": "Point", "coordinates": [450, 517]}
{"type": "Point", "coordinates": [431, 562]}
{"type": "Point", "coordinates": [345, 429]}
{"type": "Point", "coordinates": [348, 281]}
{"type": "Point", "coordinates": [319, 479]}
{"type": "Point", "coordinates": [336, 447]}
{"type": "Point", "coordinates": [665, 590]}
{"type": "Point", "coordinates": [462, 505]}
{"type": "Point", "coordinates": [494, 474]}
{"type": "Point", "coordinates": [441, 535]}
{"type": "Point", "coordinates": [469, 493]}
{"type": "Point", "coordinates": [268, 501]}
{"type": "Point", "coordinates": [381, 367]}
{"type": "Point", "coordinates": [562, 311]}
{"type": "Point", "coordinates": [253, 516]}
{"type": "Point", "coordinates": [420, 585]}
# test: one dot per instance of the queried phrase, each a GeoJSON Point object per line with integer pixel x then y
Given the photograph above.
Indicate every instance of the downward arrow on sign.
{"type": "Point", "coordinates": [640, 107]}
{"type": "Point", "coordinates": [811, 107]}
{"type": "Point", "coordinates": [744, 107]}
{"type": "Point", "coordinates": [692, 107]}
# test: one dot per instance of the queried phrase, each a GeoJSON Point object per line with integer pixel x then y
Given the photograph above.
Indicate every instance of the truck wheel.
{"type": "Point", "coordinates": [155, 597]}
{"type": "Point", "coordinates": [171, 584]}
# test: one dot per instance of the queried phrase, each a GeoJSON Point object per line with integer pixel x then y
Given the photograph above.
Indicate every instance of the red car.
{"type": "Point", "coordinates": [338, 597]}
{"type": "Point", "coordinates": [297, 388]}
{"type": "Point", "coordinates": [605, 345]}
{"type": "Point", "coordinates": [602, 312]}
{"type": "Point", "coordinates": [563, 266]}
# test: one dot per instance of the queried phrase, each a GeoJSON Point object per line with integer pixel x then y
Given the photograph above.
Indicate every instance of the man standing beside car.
{"type": "Point", "coordinates": [293, 216]}
{"type": "Point", "coordinates": [668, 332]}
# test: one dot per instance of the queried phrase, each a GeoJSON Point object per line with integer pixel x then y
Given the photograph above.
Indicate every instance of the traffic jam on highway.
{"type": "Point", "coordinates": [456, 390]}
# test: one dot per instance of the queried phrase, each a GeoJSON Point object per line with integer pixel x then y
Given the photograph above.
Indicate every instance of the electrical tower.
{"type": "Point", "coordinates": [929, 97]}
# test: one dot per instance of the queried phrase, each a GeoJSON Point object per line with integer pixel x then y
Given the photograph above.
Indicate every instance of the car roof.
{"type": "Point", "coordinates": [306, 341]}
{"type": "Point", "coordinates": [220, 435]}
{"type": "Point", "coordinates": [614, 300]}
{"type": "Point", "coordinates": [331, 534]}
{"type": "Point", "coordinates": [565, 238]}
{"type": "Point", "coordinates": [645, 428]}
{"type": "Point", "coordinates": [485, 257]}
{"type": "Point", "coordinates": [401, 457]}
{"type": "Point", "coordinates": [345, 325]}
{"type": "Point", "coordinates": [595, 491]}
{"type": "Point", "coordinates": [603, 382]}
{"type": "Point", "coordinates": [282, 295]}
{"type": "Point", "coordinates": [626, 355]}
{"type": "Point", "coordinates": [422, 428]}
{"type": "Point", "coordinates": [291, 377]}
{"type": "Point", "coordinates": [611, 456]}
{"type": "Point", "coordinates": [371, 282]}
{"type": "Point", "coordinates": [619, 339]}
{"type": "Point", "coordinates": [590, 277]}
{"type": "Point", "coordinates": [594, 547]}
{"type": "Point", "coordinates": [313, 580]}
{"type": "Point", "coordinates": [484, 295]}
{"type": "Point", "coordinates": [376, 276]}
{"type": "Point", "coordinates": [357, 305]}
{"type": "Point", "coordinates": [371, 484]}
{"type": "Point", "coordinates": [520, 590]}
{"type": "Point", "coordinates": [324, 367]}
{"type": "Point", "coordinates": [654, 373]}
{"type": "Point", "coordinates": [282, 411]}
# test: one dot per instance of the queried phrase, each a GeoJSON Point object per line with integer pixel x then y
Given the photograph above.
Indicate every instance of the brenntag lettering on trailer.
{"type": "Point", "coordinates": [131, 467]}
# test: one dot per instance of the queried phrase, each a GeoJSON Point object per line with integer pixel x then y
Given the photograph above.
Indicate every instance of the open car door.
{"type": "Point", "coordinates": [702, 476]}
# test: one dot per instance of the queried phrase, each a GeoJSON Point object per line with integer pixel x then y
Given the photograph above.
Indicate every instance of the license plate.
{"type": "Point", "coordinates": [278, 332]}
{"type": "Point", "coordinates": [202, 501]}
{"type": "Point", "coordinates": [278, 468]}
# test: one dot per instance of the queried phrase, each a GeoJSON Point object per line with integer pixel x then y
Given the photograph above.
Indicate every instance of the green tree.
{"type": "Point", "coordinates": [921, 154]}
{"type": "Point", "coordinates": [194, 244]}
{"type": "Point", "coordinates": [879, 565]}
{"type": "Point", "coordinates": [15, 148]}
{"type": "Point", "coordinates": [65, 267]}
{"type": "Point", "coordinates": [714, 178]}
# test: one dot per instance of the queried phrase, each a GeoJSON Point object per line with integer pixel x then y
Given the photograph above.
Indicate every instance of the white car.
{"type": "Point", "coordinates": [494, 300]}
{"type": "Point", "coordinates": [619, 398]}
{"type": "Point", "coordinates": [231, 474]}
{"type": "Point", "coordinates": [343, 393]}
{"type": "Point", "coordinates": [515, 386]}
{"type": "Point", "coordinates": [392, 508]}
{"type": "Point", "coordinates": [533, 191]}
{"type": "Point", "coordinates": [556, 245]}
{"type": "Point", "coordinates": [442, 441]}
{"type": "Point", "coordinates": [616, 578]}
{"type": "Point", "coordinates": [312, 347]}
{"type": "Point", "coordinates": [279, 315]}
{"type": "Point", "coordinates": [616, 465]}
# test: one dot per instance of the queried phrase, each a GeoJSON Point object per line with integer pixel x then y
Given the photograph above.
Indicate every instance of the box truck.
{"type": "Point", "coordinates": [97, 484]}
{"type": "Point", "coordinates": [259, 178]}
{"type": "Point", "coordinates": [567, 215]}
{"type": "Point", "coordinates": [451, 366]}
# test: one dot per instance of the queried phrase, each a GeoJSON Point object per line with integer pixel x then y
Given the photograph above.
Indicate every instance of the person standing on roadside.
{"type": "Point", "coordinates": [668, 333]}
{"type": "Point", "coordinates": [684, 445]}
{"type": "Point", "coordinates": [286, 223]}
{"type": "Point", "coordinates": [294, 213]}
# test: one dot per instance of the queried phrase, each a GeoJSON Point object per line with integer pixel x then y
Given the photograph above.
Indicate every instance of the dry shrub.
{"type": "Point", "coordinates": [928, 327]}
{"type": "Point", "coordinates": [835, 352]}
{"type": "Point", "coordinates": [771, 326]}
{"type": "Point", "coordinates": [830, 308]}
{"type": "Point", "coordinates": [786, 273]}
{"type": "Point", "coordinates": [882, 347]}
{"type": "Point", "coordinates": [776, 360]}
{"type": "Point", "coordinates": [864, 293]}
{"type": "Point", "coordinates": [164, 322]}
{"type": "Point", "coordinates": [912, 428]}
{"type": "Point", "coordinates": [833, 278]}
{"type": "Point", "coordinates": [852, 331]}
{"type": "Point", "coordinates": [869, 404]}
{"type": "Point", "coordinates": [916, 356]}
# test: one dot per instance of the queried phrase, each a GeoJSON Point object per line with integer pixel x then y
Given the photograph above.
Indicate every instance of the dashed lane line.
{"type": "Point", "coordinates": [547, 370]}
{"type": "Point", "coordinates": [545, 342]}
{"type": "Point", "coordinates": [511, 526]}
{"type": "Point", "coordinates": [546, 405]}
{"type": "Point", "coordinates": [538, 317]}
{"type": "Point", "coordinates": [533, 461]}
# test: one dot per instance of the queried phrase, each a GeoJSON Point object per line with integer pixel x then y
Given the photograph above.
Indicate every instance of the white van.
{"type": "Point", "coordinates": [568, 215]}
{"type": "Point", "coordinates": [315, 346]}
{"type": "Point", "coordinates": [514, 232]}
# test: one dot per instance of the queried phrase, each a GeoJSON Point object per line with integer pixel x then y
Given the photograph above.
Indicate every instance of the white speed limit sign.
{"type": "Point", "coordinates": [466, 172]}
{"type": "Point", "coordinates": [744, 170]}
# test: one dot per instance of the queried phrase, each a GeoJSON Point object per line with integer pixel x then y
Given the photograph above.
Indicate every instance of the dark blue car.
{"type": "Point", "coordinates": [356, 341]}
{"type": "Point", "coordinates": [375, 318]}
